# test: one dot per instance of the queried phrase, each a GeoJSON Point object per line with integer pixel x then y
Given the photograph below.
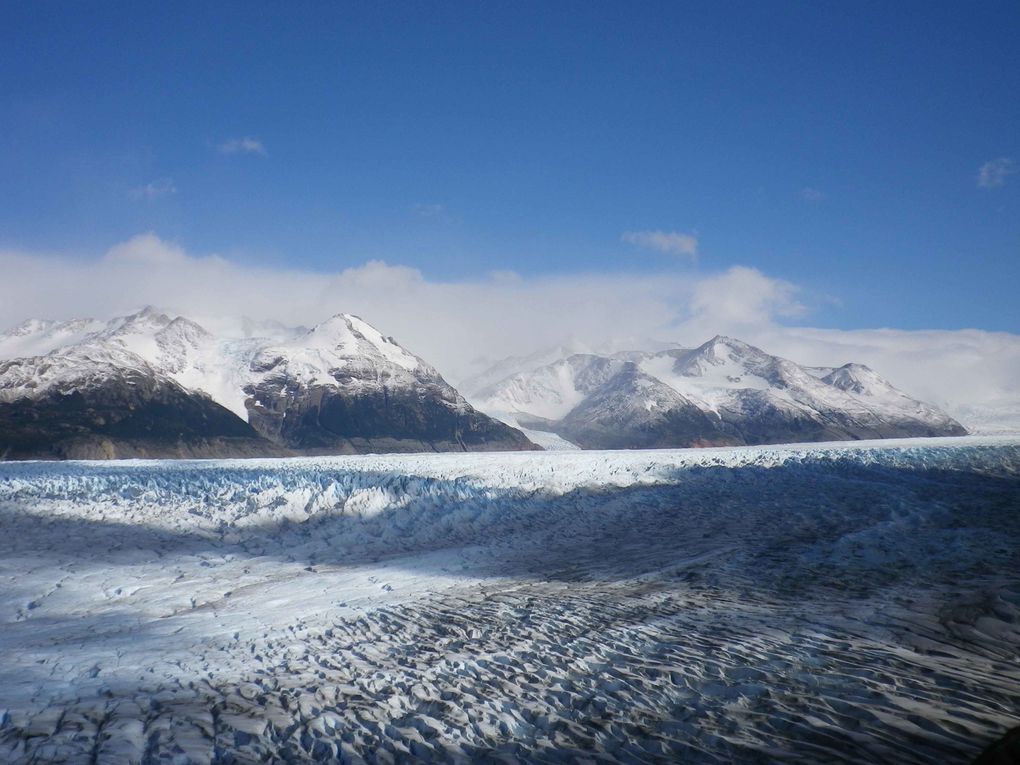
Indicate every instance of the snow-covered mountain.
{"type": "Point", "coordinates": [118, 388]}
{"type": "Point", "coordinates": [723, 392]}
{"type": "Point", "coordinates": [512, 365]}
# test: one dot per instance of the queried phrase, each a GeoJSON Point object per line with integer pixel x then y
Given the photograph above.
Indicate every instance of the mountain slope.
{"type": "Point", "coordinates": [633, 410]}
{"type": "Point", "coordinates": [722, 392]}
{"type": "Point", "coordinates": [68, 405]}
{"type": "Point", "coordinates": [343, 386]}
{"type": "Point", "coordinates": [151, 385]}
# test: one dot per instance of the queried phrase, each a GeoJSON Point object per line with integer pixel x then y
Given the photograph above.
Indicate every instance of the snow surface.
{"type": "Point", "coordinates": [807, 603]}
{"type": "Point", "coordinates": [549, 441]}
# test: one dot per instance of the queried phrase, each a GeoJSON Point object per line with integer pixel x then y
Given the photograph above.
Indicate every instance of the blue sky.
{"type": "Point", "coordinates": [834, 146]}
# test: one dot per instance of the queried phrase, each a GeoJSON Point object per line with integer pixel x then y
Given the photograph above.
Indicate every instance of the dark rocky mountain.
{"type": "Point", "coordinates": [125, 413]}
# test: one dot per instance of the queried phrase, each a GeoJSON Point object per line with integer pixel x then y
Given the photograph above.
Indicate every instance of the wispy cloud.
{"type": "Point", "coordinates": [245, 145]}
{"type": "Point", "coordinates": [669, 242]}
{"type": "Point", "coordinates": [994, 172]}
{"type": "Point", "coordinates": [811, 194]}
{"type": "Point", "coordinates": [153, 190]}
{"type": "Point", "coordinates": [423, 210]}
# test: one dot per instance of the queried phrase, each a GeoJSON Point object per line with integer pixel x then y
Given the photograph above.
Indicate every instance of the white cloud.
{"type": "Point", "coordinates": [742, 297]}
{"type": "Point", "coordinates": [462, 326]}
{"type": "Point", "coordinates": [810, 194]}
{"type": "Point", "coordinates": [670, 242]}
{"type": "Point", "coordinates": [153, 190]}
{"type": "Point", "coordinates": [994, 172]}
{"type": "Point", "coordinates": [245, 145]}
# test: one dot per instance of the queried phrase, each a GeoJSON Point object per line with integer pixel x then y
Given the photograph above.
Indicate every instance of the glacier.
{"type": "Point", "coordinates": [842, 602]}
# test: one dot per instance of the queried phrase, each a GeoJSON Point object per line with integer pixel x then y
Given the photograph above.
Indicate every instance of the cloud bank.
{"type": "Point", "coordinates": [464, 326]}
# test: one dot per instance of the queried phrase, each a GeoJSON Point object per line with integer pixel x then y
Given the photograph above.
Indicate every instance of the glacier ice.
{"type": "Point", "coordinates": [822, 602]}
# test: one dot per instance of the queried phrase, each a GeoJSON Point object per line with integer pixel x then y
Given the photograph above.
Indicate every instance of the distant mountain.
{"type": "Point", "coordinates": [511, 365]}
{"type": "Point", "coordinates": [151, 385]}
{"type": "Point", "coordinates": [723, 392]}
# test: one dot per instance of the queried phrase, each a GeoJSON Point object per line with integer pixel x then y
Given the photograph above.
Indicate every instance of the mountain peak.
{"type": "Point", "coordinates": [147, 312]}
{"type": "Point", "coordinates": [743, 394]}
{"type": "Point", "coordinates": [731, 343]}
{"type": "Point", "coordinates": [338, 322]}
{"type": "Point", "coordinates": [341, 386]}
{"type": "Point", "coordinates": [342, 339]}
{"type": "Point", "coordinates": [857, 378]}
{"type": "Point", "coordinates": [721, 350]}
{"type": "Point", "coordinates": [142, 320]}
{"type": "Point", "coordinates": [343, 330]}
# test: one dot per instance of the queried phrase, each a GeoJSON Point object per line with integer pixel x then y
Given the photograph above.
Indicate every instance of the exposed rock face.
{"type": "Point", "coordinates": [324, 419]}
{"type": "Point", "coordinates": [147, 385]}
{"type": "Point", "coordinates": [721, 393]}
{"type": "Point", "coordinates": [127, 414]}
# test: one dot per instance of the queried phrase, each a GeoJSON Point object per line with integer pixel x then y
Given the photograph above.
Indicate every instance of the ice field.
{"type": "Point", "coordinates": [823, 603]}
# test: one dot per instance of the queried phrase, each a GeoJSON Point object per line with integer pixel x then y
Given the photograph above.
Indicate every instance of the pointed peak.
{"type": "Point", "coordinates": [853, 371]}
{"type": "Point", "coordinates": [345, 327]}
{"type": "Point", "coordinates": [331, 332]}
{"type": "Point", "coordinates": [336, 319]}
{"type": "Point", "coordinates": [147, 310]}
{"type": "Point", "coordinates": [359, 325]}
{"type": "Point", "coordinates": [728, 341]}
{"type": "Point", "coordinates": [346, 336]}
{"type": "Point", "coordinates": [856, 378]}
{"type": "Point", "coordinates": [853, 366]}
{"type": "Point", "coordinates": [349, 324]}
{"type": "Point", "coordinates": [147, 314]}
{"type": "Point", "coordinates": [719, 344]}
{"type": "Point", "coordinates": [348, 320]}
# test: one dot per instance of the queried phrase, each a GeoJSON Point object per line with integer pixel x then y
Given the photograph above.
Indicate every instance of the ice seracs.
{"type": "Point", "coordinates": [842, 603]}
{"type": "Point", "coordinates": [722, 392]}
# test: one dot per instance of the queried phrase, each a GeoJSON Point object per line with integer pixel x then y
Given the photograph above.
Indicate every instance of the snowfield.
{"type": "Point", "coordinates": [806, 603]}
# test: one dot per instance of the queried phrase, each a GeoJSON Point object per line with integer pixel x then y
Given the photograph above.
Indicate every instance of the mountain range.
{"type": "Point", "coordinates": [724, 392]}
{"type": "Point", "coordinates": [154, 385]}
{"type": "Point", "coordinates": [148, 385]}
